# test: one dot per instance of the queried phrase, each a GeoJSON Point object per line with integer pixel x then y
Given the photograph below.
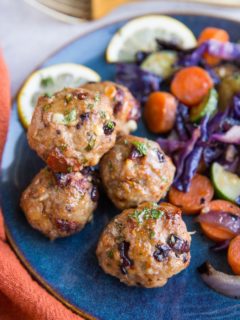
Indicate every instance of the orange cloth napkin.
{"type": "Point", "coordinates": [21, 298]}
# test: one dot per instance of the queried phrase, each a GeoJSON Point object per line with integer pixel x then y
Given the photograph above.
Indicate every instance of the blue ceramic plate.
{"type": "Point", "coordinates": [68, 267]}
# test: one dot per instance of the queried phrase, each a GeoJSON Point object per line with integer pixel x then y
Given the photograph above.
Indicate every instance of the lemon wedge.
{"type": "Point", "coordinates": [48, 80]}
{"type": "Point", "coordinates": [140, 34]}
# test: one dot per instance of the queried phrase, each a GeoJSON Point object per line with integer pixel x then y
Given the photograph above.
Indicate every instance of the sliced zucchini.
{"type": "Point", "coordinates": [228, 87]}
{"type": "Point", "coordinates": [226, 183]}
{"type": "Point", "coordinates": [160, 63]}
{"type": "Point", "coordinates": [207, 106]}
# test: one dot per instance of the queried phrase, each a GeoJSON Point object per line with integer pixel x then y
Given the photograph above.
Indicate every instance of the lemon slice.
{"type": "Point", "coordinates": [141, 33]}
{"type": "Point", "coordinates": [47, 81]}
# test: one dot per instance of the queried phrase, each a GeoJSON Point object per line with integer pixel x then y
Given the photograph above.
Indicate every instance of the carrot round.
{"type": "Point", "coordinates": [190, 85]}
{"type": "Point", "coordinates": [215, 233]}
{"type": "Point", "coordinates": [201, 192]}
{"type": "Point", "coordinates": [160, 112]}
{"type": "Point", "coordinates": [233, 255]}
{"type": "Point", "coordinates": [212, 34]}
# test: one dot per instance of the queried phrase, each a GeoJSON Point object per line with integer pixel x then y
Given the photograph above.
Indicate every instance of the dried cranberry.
{"type": "Point", "coordinates": [123, 248]}
{"type": "Point", "coordinates": [82, 95]}
{"type": "Point", "coordinates": [178, 245]}
{"type": "Point", "coordinates": [78, 126]}
{"type": "Point", "coordinates": [84, 116]}
{"type": "Point", "coordinates": [117, 107]}
{"type": "Point", "coordinates": [86, 171]}
{"type": "Point", "coordinates": [94, 194]}
{"type": "Point", "coordinates": [62, 179]}
{"type": "Point", "coordinates": [135, 154]}
{"type": "Point", "coordinates": [67, 226]}
{"type": "Point", "coordinates": [108, 129]}
{"type": "Point", "coordinates": [161, 253]}
{"type": "Point", "coordinates": [161, 156]}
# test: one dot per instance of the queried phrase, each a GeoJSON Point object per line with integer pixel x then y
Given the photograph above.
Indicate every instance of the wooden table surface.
{"type": "Point", "coordinates": [28, 36]}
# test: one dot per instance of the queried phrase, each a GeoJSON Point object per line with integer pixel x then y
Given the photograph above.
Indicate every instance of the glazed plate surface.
{"type": "Point", "coordinates": [68, 267]}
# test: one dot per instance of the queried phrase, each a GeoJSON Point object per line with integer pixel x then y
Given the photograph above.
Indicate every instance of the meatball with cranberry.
{"type": "Point", "coordinates": [59, 204]}
{"type": "Point", "coordinates": [72, 129]}
{"type": "Point", "coordinates": [126, 109]}
{"type": "Point", "coordinates": [136, 170]}
{"type": "Point", "coordinates": [145, 246]}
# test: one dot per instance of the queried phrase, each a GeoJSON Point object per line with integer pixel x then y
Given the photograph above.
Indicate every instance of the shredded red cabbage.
{"type": "Point", "coordinates": [140, 82]}
{"type": "Point", "coordinates": [227, 51]}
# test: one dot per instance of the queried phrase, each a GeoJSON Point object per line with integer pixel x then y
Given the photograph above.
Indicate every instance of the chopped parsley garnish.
{"type": "Point", "coordinates": [91, 144]}
{"type": "Point", "coordinates": [141, 147]}
{"type": "Point", "coordinates": [68, 97]}
{"type": "Point", "coordinates": [110, 125]}
{"type": "Point", "coordinates": [110, 254]}
{"type": "Point", "coordinates": [69, 169]}
{"type": "Point", "coordinates": [103, 114]}
{"type": "Point", "coordinates": [63, 147]}
{"type": "Point", "coordinates": [151, 234]}
{"type": "Point", "coordinates": [90, 106]}
{"type": "Point", "coordinates": [70, 116]}
{"type": "Point", "coordinates": [45, 82]}
{"type": "Point", "coordinates": [46, 107]}
{"type": "Point", "coordinates": [97, 97]}
{"type": "Point", "coordinates": [147, 213]}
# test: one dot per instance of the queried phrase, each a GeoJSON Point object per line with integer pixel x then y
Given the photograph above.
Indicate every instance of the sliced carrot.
{"type": "Point", "coordinates": [213, 34]}
{"type": "Point", "coordinates": [190, 85]}
{"type": "Point", "coordinates": [160, 112]}
{"type": "Point", "coordinates": [233, 255]}
{"type": "Point", "coordinates": [217, 233]}
{"type": "Point", "coordinates": [191, 202]}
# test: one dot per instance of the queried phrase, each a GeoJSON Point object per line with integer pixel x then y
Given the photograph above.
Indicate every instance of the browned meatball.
{"type": "Point", "coordinates": [72, 129]}
{"type": "Point", "coordinates": [59, 205]}
{"type": "Point", "coordinates": [126, 109]}
{"type": "Point", "coordinates": [145, 246]}
{"type": "Point", "coordinates": [136, 170]}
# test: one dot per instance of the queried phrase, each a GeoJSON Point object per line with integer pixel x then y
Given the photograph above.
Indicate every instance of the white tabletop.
{"type": "Point", "coordinates": [28, 36]}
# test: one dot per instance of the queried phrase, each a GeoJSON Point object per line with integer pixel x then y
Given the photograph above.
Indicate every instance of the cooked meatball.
{"type": "Point", "coordinates": [72, 129]}
{"type": "Point", "coordinates": [126, 109]}
{"type": "Point", "coordinates": [59, 204]}
{"type": "Point", "coordinates": [145, 246]}
{"type": "Point", "coordinates": [136, 170]}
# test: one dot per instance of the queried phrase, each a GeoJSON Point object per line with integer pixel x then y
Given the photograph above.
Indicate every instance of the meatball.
{"type": "Point", "coordinates": [126, 109]}
{"type": "Point", "coordinates": [145, 246]}
{"type": "Point", "coordinates": [72, 129]}
{"type": "Point", "coordinates": [59, 204]}
{"type": "Point", "coordinates": [136, 170]}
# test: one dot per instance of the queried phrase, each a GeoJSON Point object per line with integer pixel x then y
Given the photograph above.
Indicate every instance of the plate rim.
{"type": "Point", "coordinates": [9, 237]}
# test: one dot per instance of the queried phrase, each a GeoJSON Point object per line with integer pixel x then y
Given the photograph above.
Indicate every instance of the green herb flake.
{"type": "Point", "coordinates": [69, 169]}
{"type": "Point", "coordinates": [145, 214]}
{"type": "Point", "coordinates": [125, 142]}
{"type": "Point", "coordinates": [70, 116]}
{"type": "Point", "coordinates": [68, 97]}
{"type": "Point", "coordinates": [141, 147]}
{"type": "Point", "coordinates": [90, 106]}
{"type": "Point", "coordinates": [46, 107]}
{"type": "Point", "coordinates": [152, 234]}
{"type": "Point", "coordinates": [47, 95]}
{"type": "Point", "coordinates": [103, 114]}
{"type": "Point", "coordinates": [110, 254]}
{"type": "Point", "coordinates": [91, 144]}
{"type": "Point", "coordinates": [45, 82]}
{"type": "Point", "coordinates": [110, 124]}
{"type": "Point", "coordinates": [63, 147]}
{"type": "Point", "coordinates": [97, 97]}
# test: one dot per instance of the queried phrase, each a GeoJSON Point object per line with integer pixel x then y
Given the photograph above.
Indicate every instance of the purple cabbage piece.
{"type": "Point", "coordinates": [170, 146]}
{"type": "Point", "coordinates": [189, 161]}
{"type": "Point", "coordinates": [232, 136]}
{"type": "Point", "coordinates": [227, 51]}
{"type": "Point", "coordinates": [182, 124]}
{"type": "Point", "coordinates": [140, 82]}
